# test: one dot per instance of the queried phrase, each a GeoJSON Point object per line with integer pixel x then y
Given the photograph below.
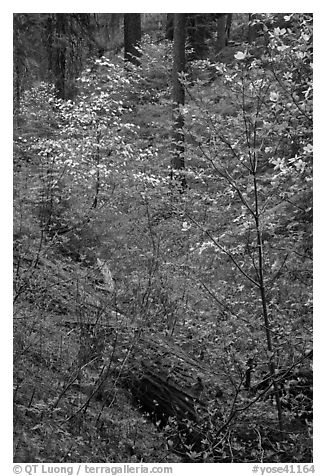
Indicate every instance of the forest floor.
{"type": "Point", "coordinates": [58, 419]}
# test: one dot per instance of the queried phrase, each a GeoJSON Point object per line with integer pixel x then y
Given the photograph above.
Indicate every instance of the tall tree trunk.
{"type": "Point", "coordinates": [132, 37]}
{"type": "Point", "coordinates": [263, 298]}
{"type": "Point", "coordinates": [221, 32]}
{"type": "Point", "coordinates": [49, 40]}
{"type": "Point", "coordinates": [198, 32]}
{"type": "Point", "coordinates": [228, 27]}
{"type": "Point", "coordinates": [169, 26]}
{"type": "Point", "coordinates": [179, 65]}
{"type": "Point", "coordinates": [252, 30]}
{"type": "Point", "coordinates": [59, 61]}
{"type": "Point", "coordinates": [19, 63]}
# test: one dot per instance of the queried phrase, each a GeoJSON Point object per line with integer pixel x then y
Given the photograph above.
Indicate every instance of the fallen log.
{"type": "Point", "coordinates": [162, 398]}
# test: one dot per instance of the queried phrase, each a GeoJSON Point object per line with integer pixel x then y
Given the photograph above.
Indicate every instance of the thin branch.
{"type": "Point", "coordinates": [291, 95]}
{"type": "Point", "coordinates": [225, 251]}
{"type": "Point", "coordinates": [225, 174]}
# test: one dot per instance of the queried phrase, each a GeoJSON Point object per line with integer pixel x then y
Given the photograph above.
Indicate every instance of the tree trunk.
{"type": "Point", "coordinates": [59, 62]}
{"type": "Point", "coordinates": [228, 27]}
{"type": "Point", "coordinates": [132, 37]}
{"type": "Point", "coordinates": [252, 30]}
{"type": "Point", "coordinates": [49, 40]}
{"type": "Point", "coordinates": [178, 94]}
{"type": "Point", "coordinates": [267, 323]}
{"type": "Point", "coordinates": [221, 32]}
{"type": "Point", "coordinates": [169, 26]}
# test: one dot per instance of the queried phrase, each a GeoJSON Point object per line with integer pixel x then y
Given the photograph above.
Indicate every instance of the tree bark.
{"type": "Point", "coordinates": [198, 26]}
{"type": "Point", "coordinates": [179, 64]}
{"type": "Point", "coordinates": [252, 30]}
{"type": "Point", "coordinates": [17, 67]}
{"type": "Point", "coordinates": [262, 289]}
{"type": "Point", "coordinates": [228, 27]}
{"type": "Point", "coordinates": [221, 32]}
{"type": "Point", "coordinates": [59, 62]}
{"type": "Point", "coordinates": [169, 26]}
{"type": "Point", "coordinates": [132, 37]}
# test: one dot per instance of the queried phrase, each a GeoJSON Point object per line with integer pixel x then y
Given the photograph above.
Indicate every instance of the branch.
{"type": "Point", "coordinates": [225, 251]}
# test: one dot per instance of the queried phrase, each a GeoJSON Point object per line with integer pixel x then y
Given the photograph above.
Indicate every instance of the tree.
{"type": "Point", "coordinates": [221, 31]}
{"type": "Point", "coordinates": [198, 30]}
{"type": "Point", "coordinates": [59, 60]}
{"type": "Point", "coordinates": [252, 28]}
{"type": "Point", "coordinates": [228, 26]}
{"type": "Point", "coordinates": [169, 26]}
{"type": "Point", "coordinates": [262, 153]}
{"type": "Point", "coordinates": [132, 37]}
{"type": "Point", "coordinates": [29, 62]}
{"type": "Point", "coordinates": [179, 64]}
{"type": "Point", "coordinates": [19, 59]}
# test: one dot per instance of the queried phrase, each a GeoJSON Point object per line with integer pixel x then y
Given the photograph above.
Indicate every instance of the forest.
{"type": "Point", "coordinates": [162, 238]}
